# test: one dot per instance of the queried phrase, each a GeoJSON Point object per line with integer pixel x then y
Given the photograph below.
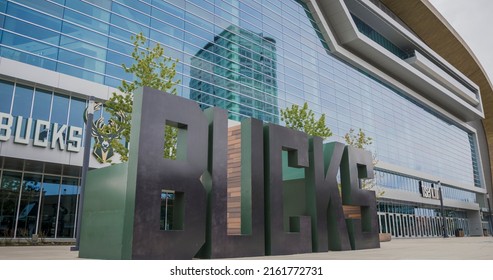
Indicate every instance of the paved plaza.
{"type": "Point", "coordinates": [453, 248]}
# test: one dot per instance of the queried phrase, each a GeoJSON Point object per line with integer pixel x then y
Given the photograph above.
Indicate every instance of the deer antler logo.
{"type": "Point", "coordinates": [102, 146]}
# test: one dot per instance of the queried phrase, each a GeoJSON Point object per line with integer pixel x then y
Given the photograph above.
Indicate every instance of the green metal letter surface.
{"type": "Point", "coordinates": [298, 238]}
{"type": "Point", "coordinates": [357, 164]}
{"type": "Point", "coordinates": [329, 229]}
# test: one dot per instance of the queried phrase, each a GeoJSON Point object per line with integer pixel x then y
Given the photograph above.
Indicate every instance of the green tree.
{"type": "Point", "coordinates": [151, 69]}
{"type": "Point", "coordinates": [358, 140]}
{"type": "Point", "coordinates": [361, 141]}
{"type": "Point", "coordinates": [303, 119]}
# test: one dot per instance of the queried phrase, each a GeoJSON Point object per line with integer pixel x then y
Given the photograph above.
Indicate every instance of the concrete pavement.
{"type": "Point", "coordinates": [453, 248]}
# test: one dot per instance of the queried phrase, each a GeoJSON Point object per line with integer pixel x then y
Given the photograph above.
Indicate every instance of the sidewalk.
{"type": "Point", "coordinates": [465, 248]}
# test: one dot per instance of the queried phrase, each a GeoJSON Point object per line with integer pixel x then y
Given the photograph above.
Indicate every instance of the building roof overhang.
{"type": "Point", "coordinates": [432, 77]}
{"type": "Point", "coordinates": [427, 23]}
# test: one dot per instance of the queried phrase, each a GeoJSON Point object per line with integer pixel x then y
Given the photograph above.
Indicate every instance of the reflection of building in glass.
{"type": "Point", "coordinates": [237, 72]}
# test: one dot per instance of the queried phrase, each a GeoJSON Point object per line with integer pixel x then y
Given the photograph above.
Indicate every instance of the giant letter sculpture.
{"type": "Point", "coordinates": [251, 243]}
{"type": "Point", "coordinates": [153, 174]}
{"type": "Point", "coordinates": [356, 165]}
{"type": "Point", "coordinates": [298, 239]}
{"type": "Point", "coordinates": [323, 200]}
{"type": "Point", "coordinates": [314, 222]}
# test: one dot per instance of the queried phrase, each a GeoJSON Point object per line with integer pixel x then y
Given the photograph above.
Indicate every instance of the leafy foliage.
{"type": "Point", "coordinates": [303, 119]}
{"type": "Point", "coordinates": [151, 69]}
{"type": "Point", "coordinates": [359, 140]}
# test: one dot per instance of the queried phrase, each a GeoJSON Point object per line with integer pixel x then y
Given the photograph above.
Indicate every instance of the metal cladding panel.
{"type": "Point", "coordinates": [103, 215]}
{"type": "Point", "coordinates": [280, 138]}
{"type": "Point", "coordinates": [329, 230]}
{"type": "Point", "coordinates": [156, 173]}
{"type": "Point", "coordinates": [358, 164]}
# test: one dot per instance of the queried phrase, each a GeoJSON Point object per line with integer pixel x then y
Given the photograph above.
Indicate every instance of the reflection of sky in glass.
{"type": "Point", "coordinates": [23, 95]}
{"type": "Point", "coordinates": [69, 186]}
{"type": "Point", "coordinates": [6, 93]}
{"type": "Point", "coordinates": [77, 107]}
{"type": "Point", "coordinates": [167, 195]}
{"type": "Point", "coordinates": [60, 109]}
{"type": "Point", "coordinates": [404, 133]}
{"type": "Point", "coordinates": [51, 185]}
{"type": "Point", "coordinates": [42, 105]}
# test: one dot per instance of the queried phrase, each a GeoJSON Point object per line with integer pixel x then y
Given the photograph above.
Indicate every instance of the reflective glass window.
{"type": "Point", "coordinates": [120, 33]}
{"type": "Point", "coordinates": [31, 31]}
{"type": "Point", "coordinates": [77, 108]}
{"type": "Point", "coordinates": [169, 12]}
{"type": "Point", "coordinates": [105, 4]}
{"type": "Point", "coordinates": [42, 105]}
{"type": "Point", "coordinates": [22, 101]}
{"type": "Point", "coordinates": [112, 82]}
{"type": "Point", "coordinates": [170, 19]}
{"type": "Point", "coordinates": [68, 208]}
{"type": "Point", "coordinates": [82, 48]}
{"type": "Point", "coordinates": [80, 72]}
{"type": "Point", "coordinates": [125, 48]}
{"type": "Point", "coordinates": [88, 9]}
{"type": "Point", "coordinates": [25, 56]}
{"type": "Point", "coordinates": [29, 204]}
{"type": "Point", "coordinates": [44, 6]}
{"type": "Point", "coordinates": [71, 170]}
{"type": "Point", "coordinates": [59, 110]}
{"type": "Point", "coordinates": [144, 9]}
{"type": "Point", "coordinates": [41, 58]}
{"type": "Point", "coordinates": [82, 34]}
{"type": "Point", "coordinates": [118, 59]}
{"type": "Point", "coordinates": [35, 16]}
{"type": "Point", "coordinates": [129, 25]}
{"type": "Point", "coordinates": [165, 27]}
{"type": "Point", "coordinates": [33, 166]}
{"type": "Point", "coordinates": [117, 71]}
{"type": "Point", "coordinates": [9, 197]}
{"type": "Point", "coordinates": [49, 206]}
{"type": "Point", "coordinates": [6, 94]}
{"type": "Point", "coordinates": [86, 21]}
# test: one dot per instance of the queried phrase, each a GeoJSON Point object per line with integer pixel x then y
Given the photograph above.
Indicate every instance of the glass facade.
{"type": "Point", "coordinates": [412, 220]}
{"type": "Point", "coordinates": [252, 58]}
{"type": "Point", "coordinates": [245, 83]}
{"type": "Point", "coordinates": [37, 198]}
{"type": "Point", "coordinates": [41, 104]}
{"type": "Point", "coordinates": [409, 184]}
{"type": "Point", "coordinates": [287, 62]}
{"type": "Point", "coordinates": [379, 39]}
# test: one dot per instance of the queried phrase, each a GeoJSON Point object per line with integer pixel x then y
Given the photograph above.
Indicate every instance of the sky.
{"type": "Point", "coordinates": [473, 21]}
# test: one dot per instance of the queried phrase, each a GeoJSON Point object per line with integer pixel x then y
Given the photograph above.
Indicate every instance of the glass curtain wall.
{"type": "Point", "coordinates": [288, 63]}
{"type": "Point", "coordinates": [40, 104]}
{"type": "Point", "coordinates": [38, 203]}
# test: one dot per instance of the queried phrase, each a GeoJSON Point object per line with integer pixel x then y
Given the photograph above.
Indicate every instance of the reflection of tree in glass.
{"type": "Point", "coordinates": [31, 186]}
{"type": "Point", "coordinates": [9, 195]}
